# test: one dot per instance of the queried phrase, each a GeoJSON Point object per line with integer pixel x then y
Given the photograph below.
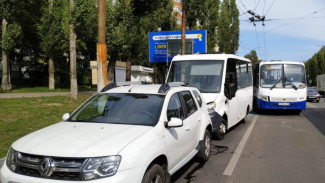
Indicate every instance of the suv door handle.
{"type": "Point", "coordinates": [199, 119]}
{"type": "Point", "coordinates": [187, 129]}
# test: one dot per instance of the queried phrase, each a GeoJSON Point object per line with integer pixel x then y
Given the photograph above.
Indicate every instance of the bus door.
{"type": "Point", "coordinates": [230, 92]}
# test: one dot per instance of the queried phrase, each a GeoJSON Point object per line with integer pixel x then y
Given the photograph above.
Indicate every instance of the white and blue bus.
{"type": "Point", "coordinates": [280, 85]}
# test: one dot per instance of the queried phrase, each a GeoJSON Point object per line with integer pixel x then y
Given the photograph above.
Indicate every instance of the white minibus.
{"type": "Point", "coordinates": [226, 84]}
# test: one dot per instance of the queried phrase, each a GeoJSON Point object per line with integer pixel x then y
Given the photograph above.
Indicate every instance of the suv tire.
{"type": "Point", "coordinates": [222, 128]}
{"type": "Point", "coordinates": [154, 174]}
{"type": "Point", "coordinates": [204, 152]}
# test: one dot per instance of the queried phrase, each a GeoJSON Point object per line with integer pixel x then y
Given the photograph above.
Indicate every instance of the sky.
{"type": "Point", "coordinates": [294, 30]}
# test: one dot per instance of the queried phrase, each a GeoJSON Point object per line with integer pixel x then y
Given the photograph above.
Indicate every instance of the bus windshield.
{"type": "Point", "coordinates": [206, 75]}
{"type": "Point", "coordinates": [282, 76]}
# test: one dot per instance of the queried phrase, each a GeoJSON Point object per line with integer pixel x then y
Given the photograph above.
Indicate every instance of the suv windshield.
{"type": "Point", "coordinates": [205, 75]}
{"type": "Point", "coordinates": [282, 76]}
{"type": "Point", "coordinates": [120, 108]}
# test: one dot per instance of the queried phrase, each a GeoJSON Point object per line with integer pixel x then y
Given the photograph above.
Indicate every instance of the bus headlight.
{"type": "Point", "coordinates": [265, 98]}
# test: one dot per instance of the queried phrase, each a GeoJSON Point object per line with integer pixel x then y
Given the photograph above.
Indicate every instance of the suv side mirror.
{"type": "Point", "coordinates": [175, 122]}
{"type": "Point", "coordinates": [65, 116]}
{"type": "Point", "coordinates": [230, 85]}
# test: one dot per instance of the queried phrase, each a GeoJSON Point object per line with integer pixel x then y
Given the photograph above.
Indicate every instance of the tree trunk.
{"type": "Point", "coordinates": [73, 64]}
{"type": "Point", "coordinates": [111, 71]}
{"type": "Point", "coordinates": [73, 58]}
{"type": "Point", "coordinates": [51, 63]}
{"type": "Point", "coordinates": [128, 70]}
{"type": "Point", "coordinates": [5, 85]}
{"type": "Point", "coordinates": [51, 73]}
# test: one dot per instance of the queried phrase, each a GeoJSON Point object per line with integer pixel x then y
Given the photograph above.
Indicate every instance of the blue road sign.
{"type": "Point", "coordinates": [158, 43]}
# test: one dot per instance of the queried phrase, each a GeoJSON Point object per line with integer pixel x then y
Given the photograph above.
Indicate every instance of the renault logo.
{"type": "Point", "coordinates": [44, 167]}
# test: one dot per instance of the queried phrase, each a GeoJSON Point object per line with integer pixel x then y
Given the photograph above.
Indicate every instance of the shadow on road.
{"type": "Point", "coordinates": [277, 112]}
{"type": "Point", "coordinates": [316, 118]}
{"type": "Point", "coordinates": [189, 174]}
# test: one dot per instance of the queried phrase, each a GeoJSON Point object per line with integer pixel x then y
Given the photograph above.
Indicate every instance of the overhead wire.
{"type": "Point", "coordinates": [257, 5]}
{"type": "Point", "coordinates": [244, 7]}
{"type": "Point", "coordinates": [282, 19]}
{"type": "Point", "coordinates": [296, 19]}
{"type": "Point", "coordinates": [269, 8]}
{"type": "Point", "coordinates": [264, 43]}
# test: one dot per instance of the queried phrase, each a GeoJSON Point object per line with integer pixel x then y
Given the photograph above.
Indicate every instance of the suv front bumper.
{"type": "Point", "coordinates": [126, 176]}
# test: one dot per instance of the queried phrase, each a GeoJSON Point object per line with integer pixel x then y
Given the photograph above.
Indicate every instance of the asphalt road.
{"type": "Point", "coordinates": [270, 147]}
{"type": "Point", "coordinates": [282, 148]}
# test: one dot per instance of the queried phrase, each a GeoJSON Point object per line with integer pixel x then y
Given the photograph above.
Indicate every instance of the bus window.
{"type": "Point", "coordinates": [205, 75]}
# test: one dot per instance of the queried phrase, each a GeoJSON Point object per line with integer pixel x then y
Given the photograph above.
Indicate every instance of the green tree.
{"type": "Point", "coordinates": [253, 57]}
{"type": "Point", "coordinates": [228, 27]}
{"type": "Point", "coordinates": [316, 66]}
{"type": "Point", "coordinates": [120, 32]}
{"type": "Point", "coordinates": [54, 33]}
{"type": "Point", "coordinates": [26, 15]}
{"type": "Point", "coordinates": [10, 37]}
{"type": "Point", "coordinates": [203, 14]}
{"type": "Point", "coordinates": [149, 16]}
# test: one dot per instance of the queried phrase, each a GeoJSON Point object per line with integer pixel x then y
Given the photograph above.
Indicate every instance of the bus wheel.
{"type": "Point", "coordinates": [221, 132]}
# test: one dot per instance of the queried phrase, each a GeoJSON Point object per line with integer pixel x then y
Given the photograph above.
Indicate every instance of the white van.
{"type": "Point", "coordinates": [226, 84]}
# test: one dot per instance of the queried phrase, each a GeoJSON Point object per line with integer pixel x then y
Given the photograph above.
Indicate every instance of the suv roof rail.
{"type": "Point", "coordinates": [125, 83]}
{"type": "Point", "coordinates": [166, 86]}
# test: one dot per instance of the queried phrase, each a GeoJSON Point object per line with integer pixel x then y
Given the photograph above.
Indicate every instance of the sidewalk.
{"type": "Point", "coordinates": [42, 94]}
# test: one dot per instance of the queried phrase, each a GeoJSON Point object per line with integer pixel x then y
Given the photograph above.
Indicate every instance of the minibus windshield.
{"type": "Point", "coordinates": [206, 75]}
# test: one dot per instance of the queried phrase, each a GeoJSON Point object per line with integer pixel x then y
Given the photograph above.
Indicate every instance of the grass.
{"type": "Point", "coordinates": [19, 117]}
{"type": "Point", "coordinates": [45, 89]}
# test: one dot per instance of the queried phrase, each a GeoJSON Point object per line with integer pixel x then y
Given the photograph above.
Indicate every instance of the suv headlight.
{"type": "Point", "coordinates": [95, 168]}
{"type": "Point", "coordinates": [11, 160]}
{"type": "Point", "coordinates": [211, 107]}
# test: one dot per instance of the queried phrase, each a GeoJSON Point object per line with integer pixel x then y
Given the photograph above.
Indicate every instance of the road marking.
{"type": "Point", "coordinates": [235, 158]}
{"type": "Point", "coordinates": [311, 105]}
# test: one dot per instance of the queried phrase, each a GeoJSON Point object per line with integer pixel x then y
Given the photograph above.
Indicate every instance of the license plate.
{"type": "Point", "coordinates": [284, 104]}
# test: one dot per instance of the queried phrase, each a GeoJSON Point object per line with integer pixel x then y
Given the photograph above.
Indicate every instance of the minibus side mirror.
{"type": "Point", "coordinates": [230, 85]}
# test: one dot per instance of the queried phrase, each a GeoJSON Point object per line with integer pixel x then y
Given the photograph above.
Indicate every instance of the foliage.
{"type": "Point", "coordinates": [149, 16]}
{"type": "Point", "coordinates": [54, 28]}
{"type": "Point", "coordinates": [253, 57]}
{"type": "Point", "coordinates": [11, 37]}
{"type": "Point", "coordinates": [316, 66]}
{"type": "Point", "coordinates": [228, 27]}
{"type": "Point", "coordinates": [34, 114]}
{"type": "Point", "coordinates": [26, 15]}
{"type": "Point", "coordinates": [203, 14]}
{"type": "Point", "coordinates": [120, 29]}
{"type": "Point", "coordinates": [86, 28]}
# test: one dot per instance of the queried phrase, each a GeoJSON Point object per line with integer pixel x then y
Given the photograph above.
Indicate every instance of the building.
{"type": "Point", "coordinates": [177, 12]}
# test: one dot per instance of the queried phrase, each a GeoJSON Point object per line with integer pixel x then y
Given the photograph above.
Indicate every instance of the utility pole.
{"type": "Point", "coordinates": [101, 47]}
{"type": "Point", "coordinates": [183, 26]}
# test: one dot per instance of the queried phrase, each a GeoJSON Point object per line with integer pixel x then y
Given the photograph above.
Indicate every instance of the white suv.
{"type": "Point", "coordinates": [135, 133]}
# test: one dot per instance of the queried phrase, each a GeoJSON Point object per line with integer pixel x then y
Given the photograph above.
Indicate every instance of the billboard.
{"type": "Point", "coordinates": [158, 45]}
